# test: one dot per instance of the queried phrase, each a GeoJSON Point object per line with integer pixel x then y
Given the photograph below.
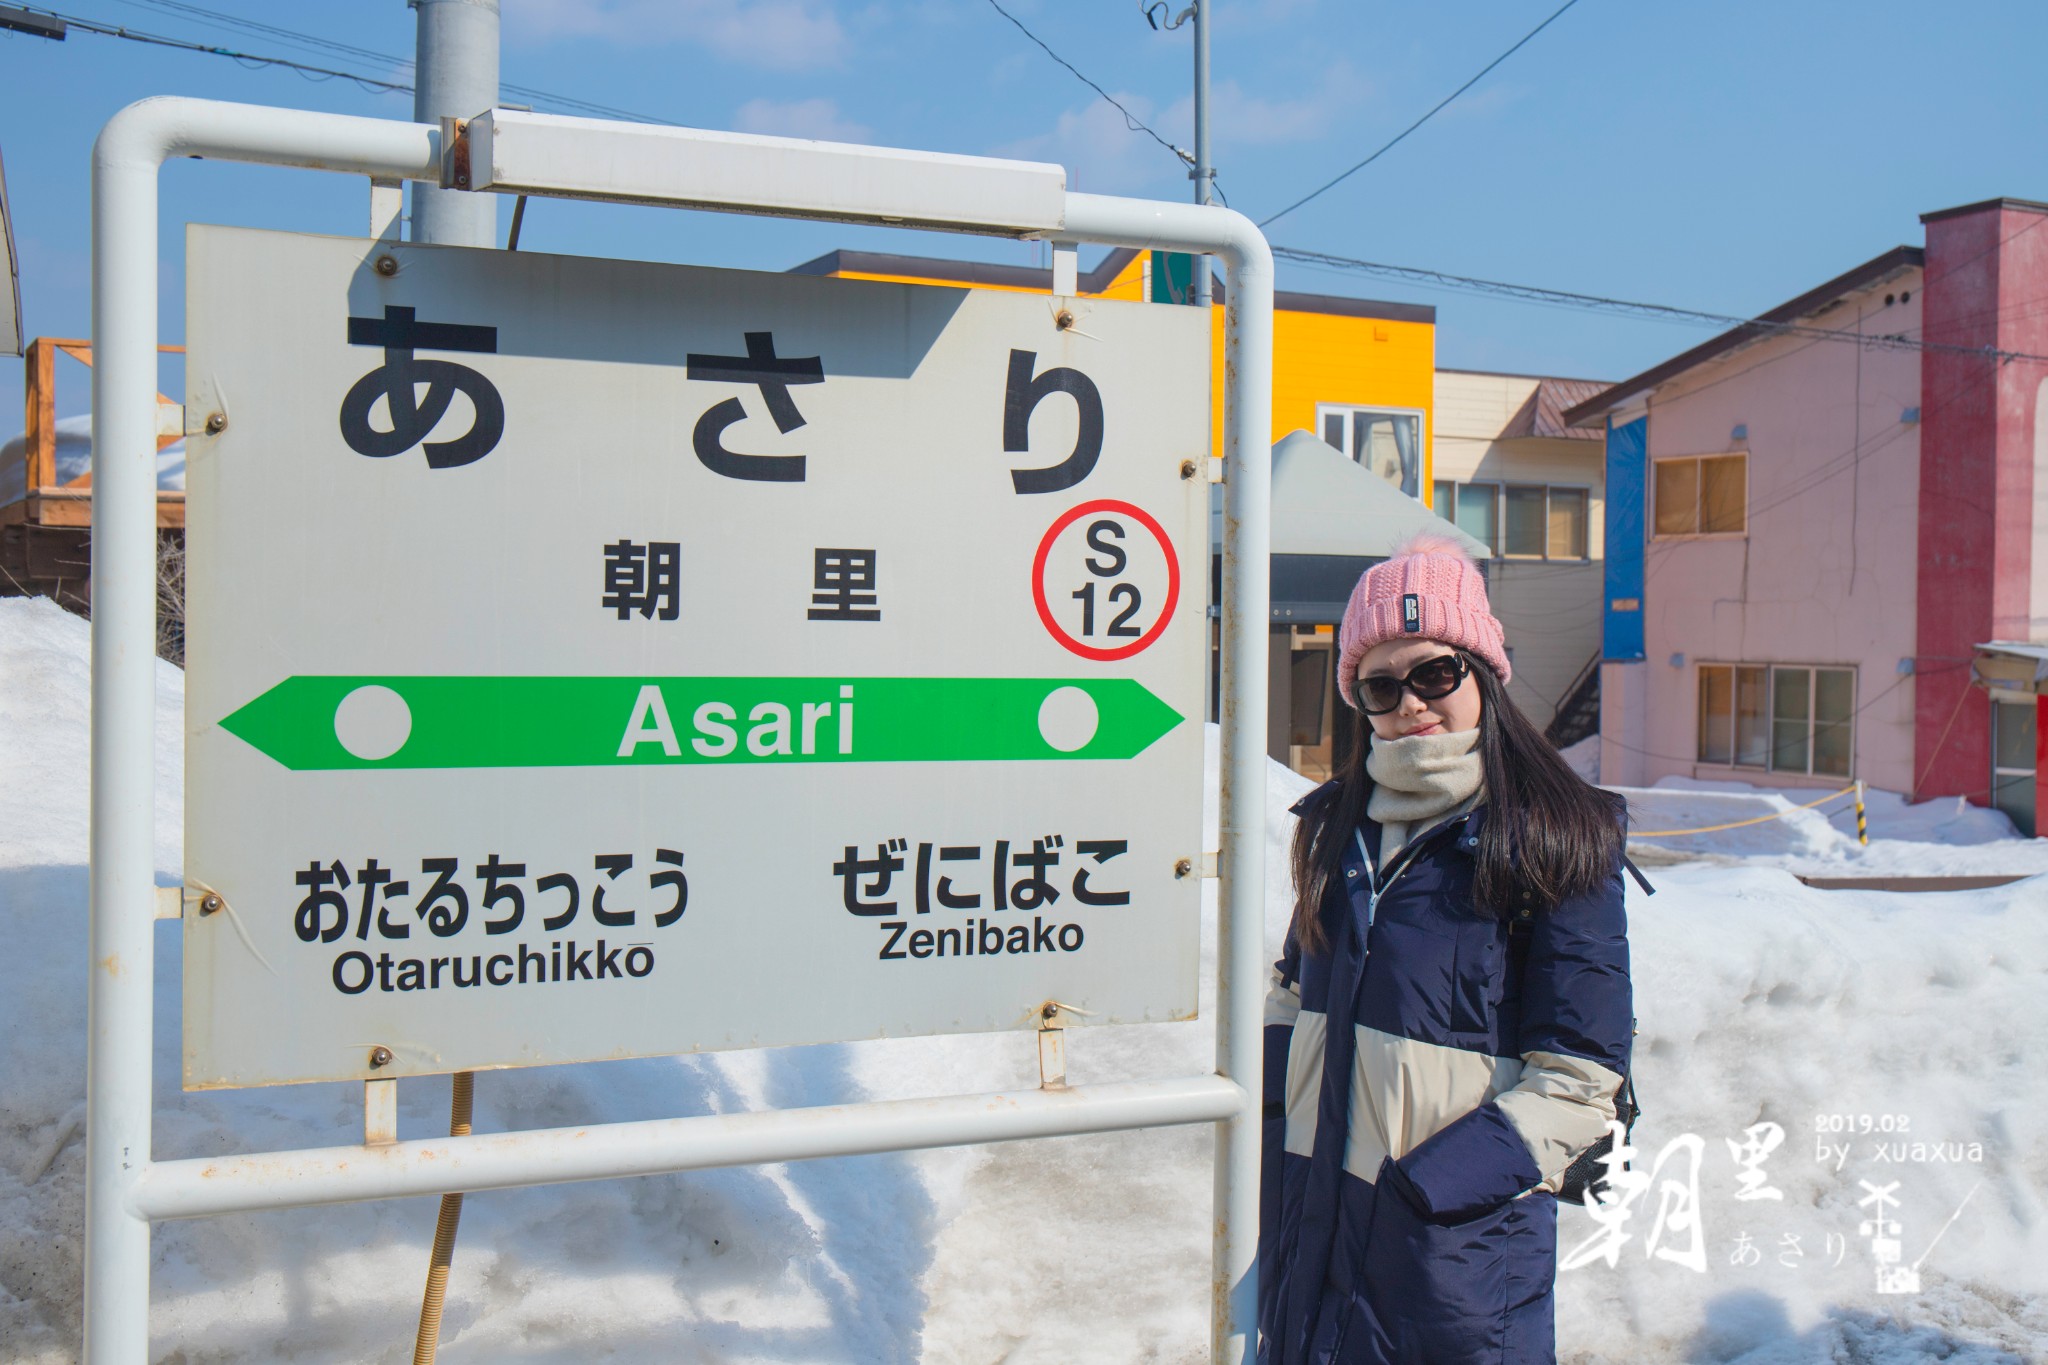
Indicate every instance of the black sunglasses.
{"type": "Point", "coordinates": [1430, 680]}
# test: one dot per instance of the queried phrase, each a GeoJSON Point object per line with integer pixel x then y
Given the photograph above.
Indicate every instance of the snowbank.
{"type": "Point", "coordinates": [1759, 999]}
{"type": "Point", "coordinates": [1937, 837]}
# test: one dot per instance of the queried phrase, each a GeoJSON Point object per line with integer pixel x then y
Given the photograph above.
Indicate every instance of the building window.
{"type": "Point", "coordinates": [1523, 524]}
{"type": "Point", "coordinates": [1702, 495]}
{"type": "Point", "coordinates": [1473, 508]}
{"type": "Point", "coordinates": [1784, 718]}
{"type": "Point", "coordinates": [1534, 521]}
{"type": "Point", "coordinates": [1388, 441]}
{"type": "Point", "coordinates": [1567, 523]}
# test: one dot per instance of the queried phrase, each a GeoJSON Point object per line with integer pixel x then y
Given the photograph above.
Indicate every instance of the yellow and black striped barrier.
{"type": "Point", "coordinates": [1862, 832]}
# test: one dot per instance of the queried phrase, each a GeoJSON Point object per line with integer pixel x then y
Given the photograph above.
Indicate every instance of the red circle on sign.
{"type": "Point", "coordinates": [1143, 518]}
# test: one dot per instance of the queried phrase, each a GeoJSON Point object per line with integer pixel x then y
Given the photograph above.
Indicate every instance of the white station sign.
{"type": "Point", "coordinates": [594, 659]}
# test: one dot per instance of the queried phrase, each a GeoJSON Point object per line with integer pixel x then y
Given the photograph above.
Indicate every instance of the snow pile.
{"type": "Point", "coordinates": [1759, 1000]}
{"type": "Point", "coordinates": [1941, 836]}
{"type": "Point", "coordinates": [1584, 757]}
{"type": "Point", "coordinates": [74, 458]}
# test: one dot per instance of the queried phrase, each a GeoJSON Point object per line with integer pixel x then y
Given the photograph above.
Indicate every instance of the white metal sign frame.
{"type": "Point", "coordinates": [126, 1190]}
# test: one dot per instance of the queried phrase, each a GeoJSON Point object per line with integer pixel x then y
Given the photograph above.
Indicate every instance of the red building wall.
{"type": "Point", "coordinates": [1986, 287]}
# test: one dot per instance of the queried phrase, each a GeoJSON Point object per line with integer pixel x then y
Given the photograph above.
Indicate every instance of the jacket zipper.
{"type": "Point", "coordinates": [1375, 888]}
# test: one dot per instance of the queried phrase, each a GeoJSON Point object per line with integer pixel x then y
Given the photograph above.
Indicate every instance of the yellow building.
{"type": "Point", "coordinates": [1358, 373]}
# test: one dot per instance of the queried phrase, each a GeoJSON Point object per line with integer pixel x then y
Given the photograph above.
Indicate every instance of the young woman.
{"type": "Point", "coordinates": [1449, 1026]}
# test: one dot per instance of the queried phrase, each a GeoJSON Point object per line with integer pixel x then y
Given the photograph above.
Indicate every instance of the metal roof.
{"type": "Point", "coordinates": [1542, 414]}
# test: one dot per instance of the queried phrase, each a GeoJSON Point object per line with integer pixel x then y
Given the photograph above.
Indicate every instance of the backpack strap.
{"type": "Point", "coordinates": [1628, 1084]}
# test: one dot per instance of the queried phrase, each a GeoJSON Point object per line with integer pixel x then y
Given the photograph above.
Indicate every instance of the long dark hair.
{"type": "Point", "coordinates": [1548, 834]}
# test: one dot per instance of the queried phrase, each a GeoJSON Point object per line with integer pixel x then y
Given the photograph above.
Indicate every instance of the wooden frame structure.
{"type": "Point", "coordinates": [47, 502]}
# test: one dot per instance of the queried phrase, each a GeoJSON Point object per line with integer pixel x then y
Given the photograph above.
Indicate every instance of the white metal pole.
{"type": "Point", "coordinates": [201, 1187]}
{"type": "Point", "coordinates": [1241, 928]}
{"type": "Point", "coordinates": [121, 919]}
{"type": "Point", "coordinates": [455, 76]}
{"type": "Point", "coordinates": [1241, 920]}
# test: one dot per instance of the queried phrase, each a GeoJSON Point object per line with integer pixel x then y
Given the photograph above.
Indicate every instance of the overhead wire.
{"type": "Point", "coordinates": [296, 38]}
{"type": "Point", "coordinates": [1655, 311]}
{"type": "Point", "coordinates": [289, 37]}
{"type": "Point", "coordinates": [1438, 108]}
{"type": "Point", "coordinates": [1131, 120]}
{"type": "Point", "coordinates": [1830, 468]}
{"type": "Point", "coordinates": [313, 41]}
{"type": "Point", "coordinates": [1561, 306]}
{"type": "Point", "coordinates": [373, 84]}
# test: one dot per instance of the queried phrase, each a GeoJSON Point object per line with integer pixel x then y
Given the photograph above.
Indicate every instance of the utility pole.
{"type": "Point", "coordinates": [1204, 174]}
{"type": "Point", "coordinates": [455, 76]}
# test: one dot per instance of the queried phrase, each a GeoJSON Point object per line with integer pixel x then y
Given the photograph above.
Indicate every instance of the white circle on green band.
{"type": "Point", "coordinates": [373, 722]}
{"type": "Point", "coordinates": [1067, 718]}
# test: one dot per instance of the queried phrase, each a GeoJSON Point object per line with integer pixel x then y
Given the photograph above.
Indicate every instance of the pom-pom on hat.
{"type": "Point", "coordinates": [1429, 589]}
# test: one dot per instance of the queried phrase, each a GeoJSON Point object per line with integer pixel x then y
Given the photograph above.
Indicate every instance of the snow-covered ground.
{"type": "Point", "coordinates": [1760, 1001]}
{"type": "Point", "coordinates": [1943, 836]}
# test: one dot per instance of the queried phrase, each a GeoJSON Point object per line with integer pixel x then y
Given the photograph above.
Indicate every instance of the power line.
{"type": "Point", "coordinates": [1396, 140]}
{"type": "Point", "coordinates": [1131, 120]}
{"type": "Point", "coordinates": [1830, 468]}
{"type": "Point", "coordinates": [1889, 341]}
{"type": "Point", "coordinates": [296, 38]}
{"type": "Point", "coordinates": [371, 83]}
{"type": "Point", "coordinates": [290, 37]}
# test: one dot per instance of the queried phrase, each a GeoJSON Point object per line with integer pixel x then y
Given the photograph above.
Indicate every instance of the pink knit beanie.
{"type": "Point", "coordinates": [1429, 589]}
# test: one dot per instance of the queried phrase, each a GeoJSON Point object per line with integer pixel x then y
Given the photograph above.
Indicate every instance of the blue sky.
{"type": "Point", "coordinates": [1724, 157]}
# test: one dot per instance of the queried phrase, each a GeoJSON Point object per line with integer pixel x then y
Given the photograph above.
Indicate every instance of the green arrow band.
{"type": "Point", "coordinates": [315, 723]}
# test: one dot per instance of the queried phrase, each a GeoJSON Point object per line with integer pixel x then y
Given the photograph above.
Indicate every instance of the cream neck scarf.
{"type": "Point", "coordinates": [1419, 778]}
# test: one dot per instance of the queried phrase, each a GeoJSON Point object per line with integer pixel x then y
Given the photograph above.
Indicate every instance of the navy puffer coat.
{"type": "Point", "coordinates": [1428, 1080]}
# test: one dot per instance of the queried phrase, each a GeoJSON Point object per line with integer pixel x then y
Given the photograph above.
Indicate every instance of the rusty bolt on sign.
{"type": "Point", "coordinates": [216, 423]}
{"type": "Point", "coordinates": [1182, 867]}
{"type": "Point", "coordinates": [380, 1055]}
{"type": "Point", "coordinates": [387, 266]}
{"type": "Point", "coordinates": [209, 903]}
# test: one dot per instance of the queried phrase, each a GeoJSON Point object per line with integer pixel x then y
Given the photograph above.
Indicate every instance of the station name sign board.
{"type": "Point", "coordinates": [593, 659]}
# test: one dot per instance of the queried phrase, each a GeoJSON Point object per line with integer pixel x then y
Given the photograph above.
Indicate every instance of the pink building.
{"type": "Point", "coordinates": [1824, 556]}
